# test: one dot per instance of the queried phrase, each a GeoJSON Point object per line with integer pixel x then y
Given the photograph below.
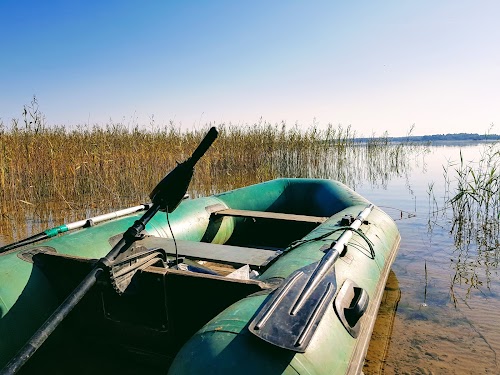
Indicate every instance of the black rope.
{"type": "Point", "coordinates": [175, 242]}
{"type": "Point", "coordinates": [301, 242]}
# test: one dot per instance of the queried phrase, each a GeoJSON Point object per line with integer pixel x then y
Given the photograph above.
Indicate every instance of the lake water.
{"type": "Point", "coordinates": [441, 310]}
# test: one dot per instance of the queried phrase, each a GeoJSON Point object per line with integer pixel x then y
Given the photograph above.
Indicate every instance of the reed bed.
{"type": "Point", "coordinates": [114, 164]}
{"type": "Point", "coordinates": [92, 168]}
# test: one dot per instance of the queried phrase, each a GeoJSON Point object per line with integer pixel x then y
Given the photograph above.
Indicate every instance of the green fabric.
{"type": "Point", "coordinates": [27, 298]}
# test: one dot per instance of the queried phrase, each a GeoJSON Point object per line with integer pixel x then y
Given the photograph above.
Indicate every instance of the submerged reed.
{"type": "Point", "coordinates": [472, 207]}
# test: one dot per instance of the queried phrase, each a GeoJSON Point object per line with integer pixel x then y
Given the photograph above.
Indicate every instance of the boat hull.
{"type": "Point", "coordinates": [218, 339]}
{"type": "Point", "coordinates": [225, 345]}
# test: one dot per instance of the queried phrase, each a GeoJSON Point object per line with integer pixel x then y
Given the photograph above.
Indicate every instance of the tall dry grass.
{"type": "Point", "coordinates": [116, 165]}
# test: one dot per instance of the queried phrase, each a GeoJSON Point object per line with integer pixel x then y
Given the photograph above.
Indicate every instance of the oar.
{"type": "Point", "coordinates": [48, 233]}
{"type": "Point", "coordinates": [291, 316]}
{"type": "Point", "coordinates": [166, 197]}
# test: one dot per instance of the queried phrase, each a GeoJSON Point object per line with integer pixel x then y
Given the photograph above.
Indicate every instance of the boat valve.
{"type": "Point", "coordinates": [347, 220]}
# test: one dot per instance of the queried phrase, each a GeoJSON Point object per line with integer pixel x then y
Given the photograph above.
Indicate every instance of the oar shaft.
{"type": "Point", "coordinates": [168, 186]}
{"type": "Point", "coordinates": [104, 217]}
{"type": "Point", "coordinates": [51, 324]}
{"type": "Point", "coordinates": [131, 234]}
{"type": "Point", "coordinates": [329, 259]}
{"type": "Point", "coordinates": [346, 236]}
{"type": "Point", "coordinates": [26, 241]}
{"type": "Point", "coordinates": [72, 300]}
{"type": "Point", "coordinates": [48, 233]}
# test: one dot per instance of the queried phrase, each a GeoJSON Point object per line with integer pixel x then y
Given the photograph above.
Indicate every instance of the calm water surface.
{"type": "Point", "coordinates": [430, 321]}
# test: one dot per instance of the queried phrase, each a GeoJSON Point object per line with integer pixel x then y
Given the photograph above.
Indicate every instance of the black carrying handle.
{"type": "Point", "coordinates": [350, 305]}
{"type": "Point", "coordinates": [357, 307]}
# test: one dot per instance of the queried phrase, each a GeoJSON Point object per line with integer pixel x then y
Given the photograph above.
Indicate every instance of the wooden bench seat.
{"type": "Point", "coordinates": [270, 215]}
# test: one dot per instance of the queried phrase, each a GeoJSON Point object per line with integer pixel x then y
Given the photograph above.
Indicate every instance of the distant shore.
{"type": "Point", "coordinates": [440, 138]}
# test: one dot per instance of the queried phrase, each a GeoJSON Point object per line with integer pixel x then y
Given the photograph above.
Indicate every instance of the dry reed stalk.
{"type": "Point", "coordinates": [117, 165]}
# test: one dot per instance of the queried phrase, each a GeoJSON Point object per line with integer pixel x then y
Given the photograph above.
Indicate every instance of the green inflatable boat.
{"type": "Point", "coordinates": [198, 321]}
{"type": "Point", "coordinates": [282, 277]}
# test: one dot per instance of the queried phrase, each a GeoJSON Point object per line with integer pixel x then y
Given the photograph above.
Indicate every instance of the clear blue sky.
{"type": "Point", "coordinates": [374, 65]}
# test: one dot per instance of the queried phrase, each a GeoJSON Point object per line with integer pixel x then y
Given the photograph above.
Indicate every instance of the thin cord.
{"type": "Point", "coordinates": [175, 243]}
{"type": "Point", "coordinates": [298, 243]}
{"type": "Point", "coordinates": [408, 213]}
